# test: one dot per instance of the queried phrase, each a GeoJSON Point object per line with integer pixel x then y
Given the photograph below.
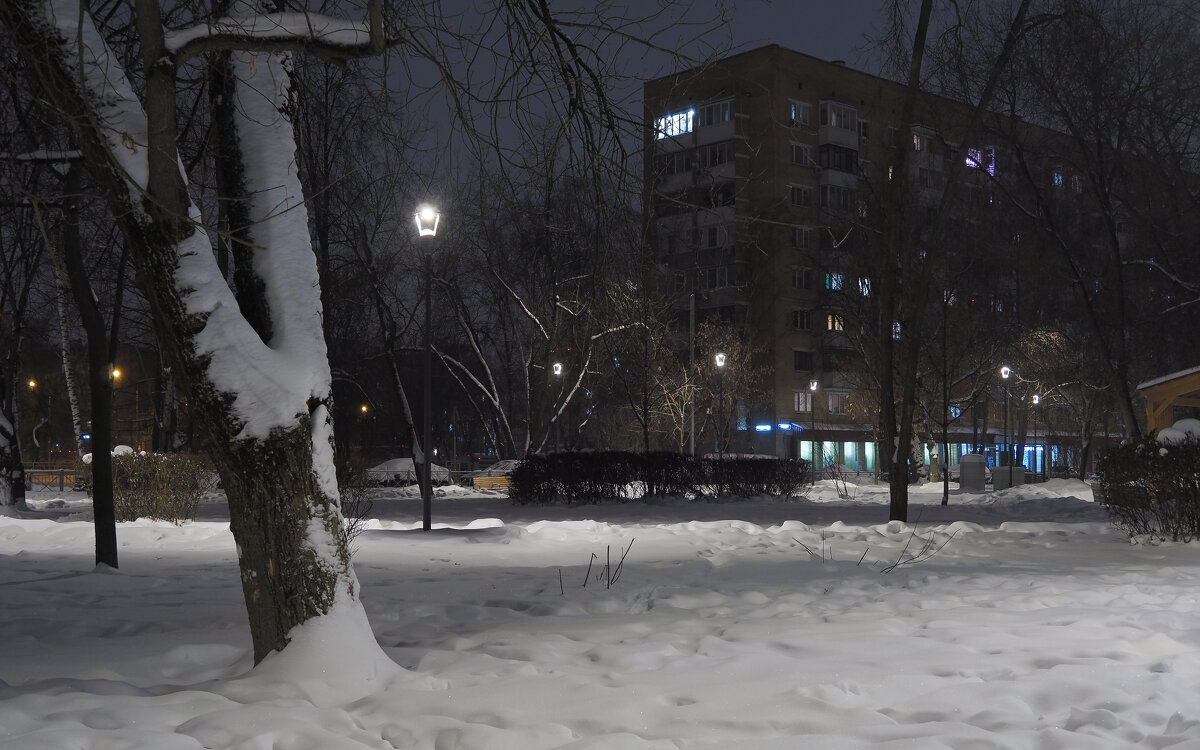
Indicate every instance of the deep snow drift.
{"type": "Point", "coordinates": [1025, 622]}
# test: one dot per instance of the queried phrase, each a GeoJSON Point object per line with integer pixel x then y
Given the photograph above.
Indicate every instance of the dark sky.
{"type": "Point", "coordinates": [828, 29]}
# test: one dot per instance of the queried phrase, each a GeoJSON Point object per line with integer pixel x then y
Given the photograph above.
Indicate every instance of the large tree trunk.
{"type": "Point", "coordinates": [254, 365]}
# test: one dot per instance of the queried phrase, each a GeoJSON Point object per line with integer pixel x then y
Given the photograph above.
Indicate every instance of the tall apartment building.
{"type": "Point", "coordinates": [755, 168]}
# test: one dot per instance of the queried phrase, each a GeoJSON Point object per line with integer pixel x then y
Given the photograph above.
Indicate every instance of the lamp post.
{"type": "Point", "coordinates": [1036, 400]}
{"type": "Point", "coordinates": [720, 362]}
{"type": "Point", "coordinates": [1005, 372]}
{"type": "Point", "coordinates": [812, 442]}
{"type": "Point", "coordinates": [558, 371]}
{"type": "Point", "coordinates": [427, 218]}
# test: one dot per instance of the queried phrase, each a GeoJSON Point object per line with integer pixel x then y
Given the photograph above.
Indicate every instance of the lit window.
{"type": "Point", "coordinates": [920, 142]}
{"type": "Point", "coordinates": [833, 280]}
{"type": "Point", "coordinates": [982, 158]}
{"type": "Point", "coordinates": [802, 401]}
{"type": "Point", "coordinates": [864, 286]}
{"type": "Point", "coordinates": [676, 123]}
{"type": "Point", "coordinates": [1057, 179]}
{"type": "Point", "coordinates": [801, 113]}
{"type": "Point", "coordinates": [834, 323]}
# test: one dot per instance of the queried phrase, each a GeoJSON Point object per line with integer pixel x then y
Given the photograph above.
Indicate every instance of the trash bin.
{"type": "Point", "coordinates": [1004, 477]}
{"type": "Point", "coordinates": [972, 470]}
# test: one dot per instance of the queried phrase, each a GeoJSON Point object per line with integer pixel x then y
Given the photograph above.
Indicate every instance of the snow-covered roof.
{"type": "Point", "coordinates": [1168, 378]}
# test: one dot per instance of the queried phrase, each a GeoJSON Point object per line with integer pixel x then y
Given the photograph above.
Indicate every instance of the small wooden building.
{"type": "Point", "coordinates": [1177, 391]}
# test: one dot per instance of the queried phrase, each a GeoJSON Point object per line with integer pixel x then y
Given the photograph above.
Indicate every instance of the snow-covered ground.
{"type": "Point", "coordinates": [762, 625]}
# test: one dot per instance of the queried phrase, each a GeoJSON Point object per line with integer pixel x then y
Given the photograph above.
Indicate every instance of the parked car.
{"type": "Point", "coordinates": [399, 472]}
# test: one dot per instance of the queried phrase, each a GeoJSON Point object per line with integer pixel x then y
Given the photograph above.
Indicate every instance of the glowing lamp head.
{"type": "Point", "coordinates": [720, 359]}
{"type": "Point", "coordinates": [812, 385]}
{"type": "Point", "coordinates": [557, 368]}
{"type": "Point", "coordinates": [427, 218]}
{"type": "Point", "coordinates": [1005, 372]}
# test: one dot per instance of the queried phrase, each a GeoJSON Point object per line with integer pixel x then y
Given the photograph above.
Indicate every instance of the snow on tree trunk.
{"type": "Point", "coordinates": [261, 393]}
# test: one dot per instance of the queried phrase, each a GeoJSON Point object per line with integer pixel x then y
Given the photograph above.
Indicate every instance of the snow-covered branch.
{"type": "Point", "coordinates": [282, 32]}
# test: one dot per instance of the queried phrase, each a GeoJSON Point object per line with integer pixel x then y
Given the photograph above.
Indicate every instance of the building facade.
{"type": "Point", "coordinates": [759, 169]}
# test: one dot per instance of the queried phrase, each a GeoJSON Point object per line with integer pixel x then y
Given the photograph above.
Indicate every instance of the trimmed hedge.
{"type": "Point", "coordinates": [620, 476]}
{"type": "Point", "coordinates": [1153, 489]}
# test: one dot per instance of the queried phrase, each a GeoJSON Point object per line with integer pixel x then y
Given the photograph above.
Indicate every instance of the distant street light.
{"type": "Point", "coordinates": [32, 383]}
{"type": "Point", "coordinates": [427, 218]}
{"type": "Point", "coordinates": [558, 371]}
{"type": "Point", "coordinates": [1005, 372]}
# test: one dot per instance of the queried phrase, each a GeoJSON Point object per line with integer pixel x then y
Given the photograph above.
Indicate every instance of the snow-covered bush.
{"type": "Point", "coordinates": [1151, 487]}
{"type": "Point", "coordinates": [162, 486]}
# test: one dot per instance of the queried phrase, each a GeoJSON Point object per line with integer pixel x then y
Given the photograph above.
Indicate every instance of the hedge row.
{"type": "Point", "coordinates": [1152, 489]}
{"type": "Point", "coordinates": [619, 476]}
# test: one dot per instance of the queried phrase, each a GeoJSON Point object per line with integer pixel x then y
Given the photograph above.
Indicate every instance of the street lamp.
{"type": "Point", "coordinates": [720, 362]}
{"type": "Point", "coordinates": [558, 371]}
{"type": "Point", "coordinates": [1036, 400]}
{"type": "Point", "coordinates": [812, 441]}
{"type": "Point", "coordinates": [427, 218]}
{"type": "Point", "coordinates": [1005, 372]}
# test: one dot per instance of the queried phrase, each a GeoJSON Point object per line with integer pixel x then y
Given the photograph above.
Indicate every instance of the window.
{"type": "Point", "coordinates": [920, 142]}
{"type": "Point", "coordinates": [1076, 183]}
{"type": "Point", "coordinates": [714, 155]}
{"type": "Point", "coordinates": [864, 130]}
{"type": "Point", "coordinates": [714, 278]}
{"type": "Point", "coordinates": [1057, 179]}
{"type": "Point", "coordinates": [801, 238]}
{"type": "Point", "coordinates": [801, 278]}
{"type": "Point", "coordinates": [864, 286]}
{"type": "Point", "coordinates": [801, 154]}
{"type": "Point", "coordinates": [840, 116]}
{"type": "Point", "coordinates": [802, 401]}
{"type": "Point", "coordinates": [838, 403]}
{"type": "Point", "coordinates": [833, 280]}
{"type": "Point", "coordinates": [982, 158]}
{"type": "Point", "coordinates": [714, 236]}
{"type": "Point", "coordinates": [801, 196]}
{"type": "Point", "coordinates": [801, 320]}
{"type": "Point", "coordinates": [802, 360]}
{"type": "Point", "coordinates": [801, 113]}
{"type": "Point", "coordinates": [840, 159]}
{"type": "Point", "coordinates": [676, 123]}
{"type": "Point", "coordinates": [834, 322]}
{"type": "Point", "coordinates": [837, 197]}
{"type": "Point", "coordinates": [711, 114]}
{"type": "Point", "coordinates": [675, 163]}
